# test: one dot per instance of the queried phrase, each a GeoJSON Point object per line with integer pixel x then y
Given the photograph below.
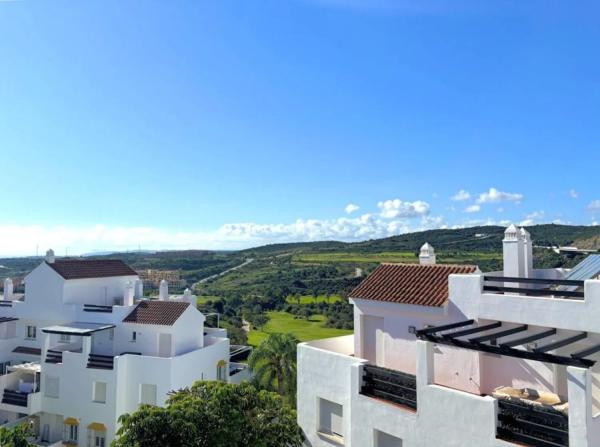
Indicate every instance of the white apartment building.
{"type": "Point", "coordinates": [81, 347]}
{"type": "Point", "coordinates": [444, 356]}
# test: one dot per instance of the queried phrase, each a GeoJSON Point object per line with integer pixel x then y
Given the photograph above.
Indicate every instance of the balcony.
{"type": "Point", "coordinates": [531, 424]}
{"type": "Point", "coordinates": [389, 385]}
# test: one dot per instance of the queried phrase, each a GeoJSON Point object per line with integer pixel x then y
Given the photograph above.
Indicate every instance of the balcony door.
{"type": "Point", "coordinates": [372, 339]}
{"type": "Point", "coordinates": [164, 345]}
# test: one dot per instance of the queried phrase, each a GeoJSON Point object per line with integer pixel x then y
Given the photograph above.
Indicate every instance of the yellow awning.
{"type": "Point", "coordinates": [97, 426]}
{"type": "Point", "coordinates": [71, 421]}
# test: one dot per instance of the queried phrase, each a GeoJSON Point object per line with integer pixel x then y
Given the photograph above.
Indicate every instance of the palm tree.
{"type": "Point", "coordinates": [274, 365]}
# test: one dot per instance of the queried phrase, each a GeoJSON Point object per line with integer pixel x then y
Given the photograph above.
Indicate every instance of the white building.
{"type": "Point", "coordinates": [443, 356]}
{"type": "Point", "coordinates": [81, 348]}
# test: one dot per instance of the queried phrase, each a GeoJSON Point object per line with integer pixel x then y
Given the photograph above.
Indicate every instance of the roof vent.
{"type": "Point", "coordinates": [8, 289]}
{"type": "Point", "coordinates": [427, 255]}
{"type": "Point", "coordinates": [163, 290]}
{"type": "Point", "coordinates": [50, 256]}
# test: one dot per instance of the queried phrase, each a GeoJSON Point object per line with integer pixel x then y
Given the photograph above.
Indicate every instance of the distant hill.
{"type": "Point", "coordinates": [331, 266]}
{"type": "Point", "coordinates": [481, 238]}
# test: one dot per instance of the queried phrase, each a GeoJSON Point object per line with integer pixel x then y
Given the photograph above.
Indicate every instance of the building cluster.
{"type": "Point", "coordinates": [82, 347]}
{"type": "Point", "coordinates": [444, 355]}
{"type": "Point", "coordinates": [152, 279]}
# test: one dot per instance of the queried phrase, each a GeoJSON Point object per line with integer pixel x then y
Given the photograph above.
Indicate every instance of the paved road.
{"type": "Point", "coordinates": [224, 272]}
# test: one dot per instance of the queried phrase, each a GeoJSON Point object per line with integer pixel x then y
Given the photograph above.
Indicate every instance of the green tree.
{"type": "Point", "coordinates": [274, 365]}
{"type": "Point", "coordinates": [15, 437]}
{"type": "Point", "coordinates": [213, 414]}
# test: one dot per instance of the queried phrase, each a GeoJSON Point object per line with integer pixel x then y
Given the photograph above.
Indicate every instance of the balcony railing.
{"type": "Point", "coordinates": [532, 425]}
{"type": "Point", "coordinates": [387, 384]}
{"type": "Point", "coordinates": [546, 287]}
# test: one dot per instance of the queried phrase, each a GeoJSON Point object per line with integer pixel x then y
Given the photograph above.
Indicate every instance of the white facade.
{"type": "Point", "coordinates": [454, 386]}
{"type": "Point", "coordinates": [86, 366]}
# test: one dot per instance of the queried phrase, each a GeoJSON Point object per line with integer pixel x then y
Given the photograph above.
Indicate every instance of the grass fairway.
{"type": "Point", "coordinates": [308, 299]}
{"type": "Point", "coordinates": [349, 257]}
{"type": "Point", "coordinates": [302, 329]}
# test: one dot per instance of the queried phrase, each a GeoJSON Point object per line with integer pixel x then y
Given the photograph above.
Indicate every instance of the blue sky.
{"type": "Point", "coordinates": [226, 124]}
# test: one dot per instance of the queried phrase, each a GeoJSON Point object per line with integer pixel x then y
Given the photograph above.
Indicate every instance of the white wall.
{"type": "Point", "coordinates": [101, 291]}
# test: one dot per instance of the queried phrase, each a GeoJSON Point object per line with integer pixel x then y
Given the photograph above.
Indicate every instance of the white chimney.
{"type": "Point", "coordinates": [427, 255]}
{"type": "Point", "coordinates": [8, 289]}
{"type": "Point", "coordinates": [128, 294]}
{"type": "Point", "coordinates": [527, 253]}
{"type": "Point", "coordinates": [139, 288]}
{"type": "Point", "coordinates": [188, 297]}
{"type": "Point", "coordinates": [512, 245]}
{"type": "Point", "coordinates": [50, 256]}
{"type": "Point", "coordinates": [163, 291]}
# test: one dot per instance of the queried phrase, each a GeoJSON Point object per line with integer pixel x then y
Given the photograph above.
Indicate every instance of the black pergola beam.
{"type": "Point", "coordinates": [528, 339]}
{"type": "Point", "coordinates": [446, 327]}
{"type": "Point", "coordinates": [497, 335]}
{"type": "Point", "coordinates": [510, 352]}
{"type": "Point", "coordinates": [474, 330]}
{"type": "Point", "coordinates": [561, 343]}
{"type": "Point", "coordinates": [585, 352]}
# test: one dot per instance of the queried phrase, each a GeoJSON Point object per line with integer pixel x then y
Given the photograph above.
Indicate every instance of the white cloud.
{"type": "Point", "coordinates": [396, 208]}
{"type": "Point", "coordinates": [473, 208]}
{"type": "Point", "coordinates": [574, 194]}
{"type": "Point", "coordinates": [461, 196]}
{"type": "Point", "coordinates": [351, 207]}
{"type": "Point", "coordinates": [594, 206]}
{"type": "Point", "coordinates": [533, 218]}
{"type": "Point", "coordinates": [500, 210]}
{"type": "Point", "coordinates": [22, 240]}
{"type": "Point", "coordinates": [493, 196]}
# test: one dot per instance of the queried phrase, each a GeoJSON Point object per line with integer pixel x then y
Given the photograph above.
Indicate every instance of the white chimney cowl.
{"type": "Point", "coordinates": [427, 255]}
{"type": "Point", "coordinates": [163, 290]}
{"type": "Point", "coordinates": [128, 294]}
{"type": "Point", "coordinates": [50, 258]}
{"type": "Point", "coordinates": [8, 289]}
{"type": "Point", "coordinates": [139, 288]}
{"type": "Point", "coordinates": [513, 253]}
{"type": "Point", "coordinates": [188, 297]}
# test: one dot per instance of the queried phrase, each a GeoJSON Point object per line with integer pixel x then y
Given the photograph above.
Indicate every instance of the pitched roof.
{"type": "Point", "coordinates": [423, 285]}
{"type": "Point", "coordinates": [91, 268]}
{"type": "Point", "coordinates": [164, 313]}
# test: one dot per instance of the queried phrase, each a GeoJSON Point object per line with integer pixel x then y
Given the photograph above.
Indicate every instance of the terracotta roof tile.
{"type": "Point", "coordinates": [423, 285]}
{"type": "Point", "coordinates": [91, 268]}
{"type": "Point", "coordinates": [164, 313]}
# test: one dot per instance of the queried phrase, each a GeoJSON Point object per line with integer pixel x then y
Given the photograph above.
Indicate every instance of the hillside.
{"type": "Point", "coordinates": [330, 267]}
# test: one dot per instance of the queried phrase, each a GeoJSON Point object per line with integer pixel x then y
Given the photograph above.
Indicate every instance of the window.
{"type": "Point", "coordinates": [222, 371]}
{"type": "Point", "coordinates": [31, 332]}
{"type": "Point", "coordinates": [331, 419]}
{"type": "Point", "coordinates": [99, 440]}
{"type": "Point", "coordinates": [384, 440]}
{"type": "Point", "coordinates": [134, 336]}
{"type": "Point", "coordinates": [52, 387]}
{"type": "Point", "coordinates": [64, 338]}
{"type": "Point", "coordinates": [71, 432]}
{"type": "Point", "coordinates": [147, 394]}
{"type": "Point", "coordinates": [99, 392]}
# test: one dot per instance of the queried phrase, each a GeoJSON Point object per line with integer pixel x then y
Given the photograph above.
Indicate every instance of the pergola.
{"type": "Point", "coordinates": [487, 338]}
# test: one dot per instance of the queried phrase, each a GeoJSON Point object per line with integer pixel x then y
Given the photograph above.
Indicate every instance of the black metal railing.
{"type": "Point", "coordinates": [97, 308]}
{"type": "Point", "coordinates": [532, 425]}
{"type": "Point", "coordinates": [548, 286]}
{"type": "Point", "coordinates": [53, 356]}
{"type": "Point", "coordinates": [387, 384]}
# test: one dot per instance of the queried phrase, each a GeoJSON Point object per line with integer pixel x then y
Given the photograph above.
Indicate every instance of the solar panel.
{"type": "Point", "coordinates": [587, 269]}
